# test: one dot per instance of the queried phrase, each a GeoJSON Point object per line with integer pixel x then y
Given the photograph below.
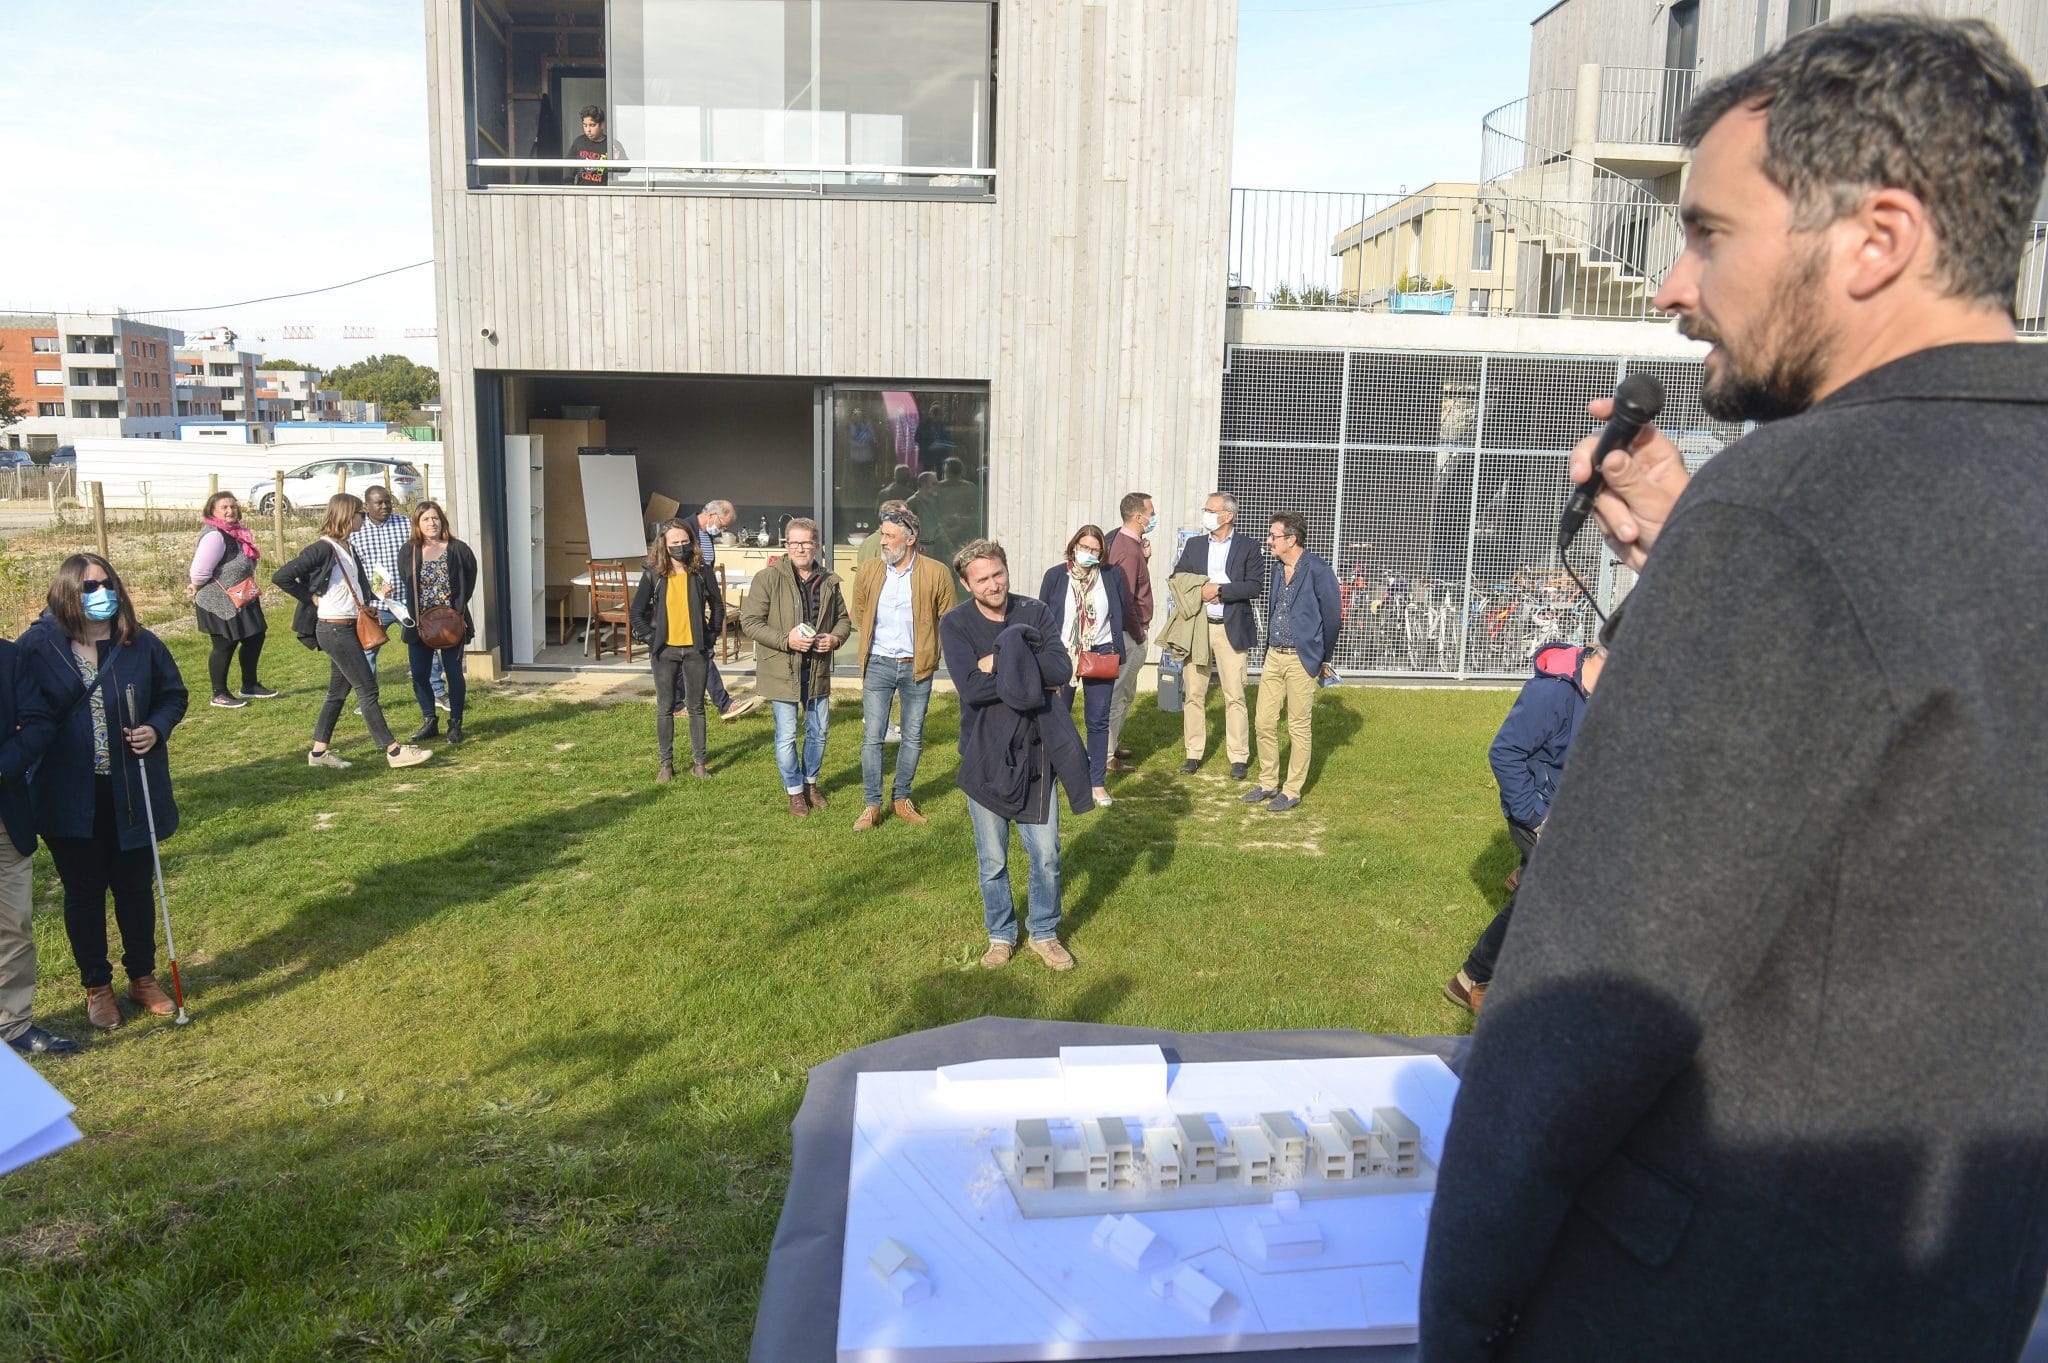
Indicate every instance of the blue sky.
{"type": "Point", "coordinates": [179, 156]}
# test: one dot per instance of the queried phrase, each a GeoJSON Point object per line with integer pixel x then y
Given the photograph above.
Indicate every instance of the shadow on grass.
{"type": "Point", "coordinates": [1491, 867]}
{"type": "Point", "coordinates": [287, 773]}
{"type": "Point", "coordinates": [1014, 991]}
{"type": "Point", "coordinates": [390, 898]}
{"type": "Point", "coordinates": [1143, 828]}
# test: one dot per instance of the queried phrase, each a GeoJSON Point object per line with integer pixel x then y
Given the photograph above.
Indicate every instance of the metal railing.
{"type": "Point", "coordinates": [1472, 255]}
{"type": "Point", "coordinates": [1643, 103]}
{"type": "Point", "coordinates": [682, 177]}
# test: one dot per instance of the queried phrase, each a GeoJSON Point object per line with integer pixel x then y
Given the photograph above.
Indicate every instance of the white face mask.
{"type": "Point", "coordinates": [1211, 522]}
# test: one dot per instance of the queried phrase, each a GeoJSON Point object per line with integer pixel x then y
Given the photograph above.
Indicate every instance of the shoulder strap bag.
{"type": "Point", "coordinates": [436, 626]}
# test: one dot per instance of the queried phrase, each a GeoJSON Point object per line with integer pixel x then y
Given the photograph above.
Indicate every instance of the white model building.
{"type": "Point", "coordinates": [1189, 1289]}
{"type": "Point", "coordinates": [1128, 1240]}
{"type": "Point", "coordinates": [1034, 1153]}
{"type": "Point", "coordinates": [1283, 1133]}
{"type": "Point", "coordinates": [902, 1273]}
{"type": "Point", "coordinates": [1278, 1239]}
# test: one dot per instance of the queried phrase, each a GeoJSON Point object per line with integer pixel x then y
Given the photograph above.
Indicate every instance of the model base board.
{"type": "Point", "coordinates": [1302, 1260]}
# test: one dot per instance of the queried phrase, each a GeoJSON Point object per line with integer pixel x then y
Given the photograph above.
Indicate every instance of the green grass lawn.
{"type": "Point", "coordinates": [494, 1058]}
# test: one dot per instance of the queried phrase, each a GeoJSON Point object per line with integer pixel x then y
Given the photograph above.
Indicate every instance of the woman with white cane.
{"type": "Point", "coordinates": [156, 861]}
{"type": "Point", "coordinates": [102, 784]}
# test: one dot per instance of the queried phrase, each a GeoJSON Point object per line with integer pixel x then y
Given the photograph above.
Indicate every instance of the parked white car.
{"type": "Point", "coordinates": [310, 485]}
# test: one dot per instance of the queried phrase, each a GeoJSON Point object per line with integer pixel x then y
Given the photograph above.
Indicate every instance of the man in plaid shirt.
{"type": "Point", "coordinates": [376, 546]}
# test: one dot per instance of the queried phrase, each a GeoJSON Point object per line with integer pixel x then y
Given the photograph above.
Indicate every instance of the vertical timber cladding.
{"type": "Point", "coordinates": [1433, 481]}
{"type": "Point", "coordinates": [1088, 294]}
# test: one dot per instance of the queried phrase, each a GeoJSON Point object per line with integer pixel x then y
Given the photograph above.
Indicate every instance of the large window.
{"type": "Point", "coordinates": [925, 446]}
{"type": "Point", "coordinates": [767, 92]}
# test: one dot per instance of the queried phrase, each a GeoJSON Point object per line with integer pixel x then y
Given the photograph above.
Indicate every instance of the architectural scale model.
{"type": "Point", "coordinates": [1106, 1203]}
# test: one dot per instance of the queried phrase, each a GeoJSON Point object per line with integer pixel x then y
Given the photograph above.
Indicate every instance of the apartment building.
{"type": "Point", "coordinates": [227, 367]}
{"type": "Point", "coordinates": [80, 375]}
{"type": "Point", "coordinates": [296, 395]}
{"type": "Point", "coordinates": [827, 238]}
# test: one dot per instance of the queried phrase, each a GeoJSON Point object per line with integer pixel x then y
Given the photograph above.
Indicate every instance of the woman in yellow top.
{"type": "Point", "coordinates": [678, 613]}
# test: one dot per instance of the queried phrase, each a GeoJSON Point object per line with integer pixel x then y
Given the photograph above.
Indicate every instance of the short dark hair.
{"type": "Point", "coordinates": [953, 468]}
{"type": "Point", "coordinates": [67, 599]}
{"type": "Point", "coordinates": [593, 112]}
{"type": "Point", "coordinates": [1132, 504]}
{"type": "Point", "coordinates": [1939, 108]}
{"type": "Point", "coordinates": [1292, 523]}
{"type": "Point", "coordinates": [978, 549]}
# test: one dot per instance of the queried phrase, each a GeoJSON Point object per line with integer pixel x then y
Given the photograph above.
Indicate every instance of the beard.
{"type": "Point", "coordinates": [894, 557]}
{"type": "Point", "coordinates": [1790, 355]}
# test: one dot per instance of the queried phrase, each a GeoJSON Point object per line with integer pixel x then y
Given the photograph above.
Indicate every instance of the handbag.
{"type": "Point", "coordinates": [370, 631]}
{"type": "Point", "coordinates": [1092, 666]}
{"type": "Point", "coordinates": [440, 627]}
{"type": "Point", "coordinates": [437, 626]}
{"type": "Point", "coordinates": [241, 593]}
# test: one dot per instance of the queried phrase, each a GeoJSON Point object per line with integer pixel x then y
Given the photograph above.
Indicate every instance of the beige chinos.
{"type": "Point", "coordinates": [17, 943]}
{"type": "Point", "coordinates": [1231, 667]}
{"type": "Point", "coordinates": [1285, 682]}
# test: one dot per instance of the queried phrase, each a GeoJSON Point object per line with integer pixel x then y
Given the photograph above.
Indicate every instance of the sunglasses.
{"type": "Point", "coordinates": [92, 584]}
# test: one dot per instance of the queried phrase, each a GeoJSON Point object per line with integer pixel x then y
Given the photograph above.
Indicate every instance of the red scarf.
{"type": "Point", "coordinates": [239, 533]}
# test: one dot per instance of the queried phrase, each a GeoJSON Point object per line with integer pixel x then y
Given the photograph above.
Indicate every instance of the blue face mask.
{"type": "Point", "coordinates": [101, 603]}
{"type": "Point", "coordinates": [1084, 559]}
{"type": "Point", "coordinates": [1151, 523]}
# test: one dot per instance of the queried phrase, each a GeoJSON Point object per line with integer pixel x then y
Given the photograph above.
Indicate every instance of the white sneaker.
{"type": "Point", "coordinates": [441, 703]}
{"type": "Point", "coordinates": [408, 756]}
{"type": "Point", "coordinates": [895, 734]}
{"type": "Point", "coordinates": [326, 759]}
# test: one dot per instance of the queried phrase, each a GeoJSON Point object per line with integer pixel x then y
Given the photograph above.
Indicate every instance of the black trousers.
{"type": "Point", "coordinates": [1486, 951]}
{"type": "Point", "coordinates": [348, 670]}
{"type": "Point", "coordinates": [421, 659]}
{"type": "Point", "coordinates": [88, 868]}
{"type": "Point", "coordinates": [688, 667]}
{"type": "Point", "coordinates": [217, 662]}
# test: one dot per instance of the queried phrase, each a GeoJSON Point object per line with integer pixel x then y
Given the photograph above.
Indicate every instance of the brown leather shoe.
{"type": "Point", "coordinates": [146, 991]}
{"type": "Point", "coordinates": [799, 806]}
{"type": "Point", "coordinates": [869, 818]}
{"type": "Point", "coordinates": [1514, 881]}
{"type": "Point", "coordinates": [100, 1008]}
{"type": "Point", "coordinates": [815, 796]}
{"type": "Point", "coordinates": [665, 775]}
{"type": "Point", "coordinates": [1119, 764]}
{"type": "Point", "coordinates": [1122, 754]}
{"type": "Point", "coordinates": [700, 771]}
{"type": "Point", "coordinates": [907, 812]}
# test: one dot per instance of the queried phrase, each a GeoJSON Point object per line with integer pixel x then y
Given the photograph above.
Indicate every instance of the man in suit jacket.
{"type": "Point", "coordinates": [1760, 1075]}
{"type": "Point", "coordinates": [1302, 615]}
{"type": "Point", "coordinates": [1236, 573]}
{"type": "Point", "coordinates": [26, 729]}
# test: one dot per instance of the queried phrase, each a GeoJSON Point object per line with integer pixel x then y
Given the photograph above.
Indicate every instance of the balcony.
{"type": "Point", "coordinates": [1482, 251]}
{"type": "Point", "coordinates": [93, 359]}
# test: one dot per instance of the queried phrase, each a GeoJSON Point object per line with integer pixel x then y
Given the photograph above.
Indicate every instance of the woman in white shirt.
{"type": "Point", "coordinates": [1088, 601]}
{"type": "Point", "coordinates": [328, 582]}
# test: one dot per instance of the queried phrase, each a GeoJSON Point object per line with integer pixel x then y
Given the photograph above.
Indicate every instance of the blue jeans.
{"type": "Point", "coordinates": [816, 715]}
{"type": "Point", "coordinates": [437, 677]}
{"type": "Point", "coordinates": [890, 679]}
{"type": "Point", "coordinates": [390, 621]}
{"type": "Point", "coordinates": [992, 850]}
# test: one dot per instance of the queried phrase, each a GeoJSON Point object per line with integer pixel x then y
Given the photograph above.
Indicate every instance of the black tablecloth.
{"type": "Point", "coordinates": [799, 1316]}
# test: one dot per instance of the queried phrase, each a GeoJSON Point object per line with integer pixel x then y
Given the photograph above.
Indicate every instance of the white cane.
{"type": "Point", "coordinates": [157, 862]}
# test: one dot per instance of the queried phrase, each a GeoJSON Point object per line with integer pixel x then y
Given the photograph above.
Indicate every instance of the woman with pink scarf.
{"type": "Point", "coordinates": [223, 589]}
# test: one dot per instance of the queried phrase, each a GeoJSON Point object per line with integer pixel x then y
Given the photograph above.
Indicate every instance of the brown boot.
{"type": "Point", "coordinates": [146, 991]}
{"type": "Point", "coordinates": [816, 797]}
{"type": "Point", "coordinates": [799, 806]}
{"type": "Point", "coordinates": [907, 812]}
{"type": "Point", "coordinates": [100, 1008]}
{"type": "Point", "coordinates": [698, 770]}
{"type": "Point", "coordinates": [666, 774]}
{"type": "Point", "coordinates": [869, 817]}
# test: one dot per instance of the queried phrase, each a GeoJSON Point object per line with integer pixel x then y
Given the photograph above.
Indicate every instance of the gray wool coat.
{"type": "Point", "coordinates": [1763, 1073]}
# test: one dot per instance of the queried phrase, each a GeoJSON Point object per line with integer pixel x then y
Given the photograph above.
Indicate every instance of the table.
{"type": "Point", "coordinates": [798, 1320]}
{"type": "Point", "coordinates": [734, 582]}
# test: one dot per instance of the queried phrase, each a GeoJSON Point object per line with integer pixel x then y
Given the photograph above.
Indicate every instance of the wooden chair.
{"type": "Point", "coordinates": [730, 636]}
{"type": "Point", "coordinates": [611, 603]}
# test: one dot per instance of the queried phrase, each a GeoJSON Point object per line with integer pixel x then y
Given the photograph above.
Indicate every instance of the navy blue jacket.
{"type": "Point", "coordinates": [1244, 564]}
{"type": "Point", "coordinates": [62, 787]}
{"type": "Point", "coordinates": [1318, 610]}
{"type": "Point", "coordinates": [25, 734]}
{"type": "Point", "coordinates": [1529, 751]}
{"type": "Point", "coordinates": [997, 738]}
{"type": "Point", "coordinates": [1054, 591]}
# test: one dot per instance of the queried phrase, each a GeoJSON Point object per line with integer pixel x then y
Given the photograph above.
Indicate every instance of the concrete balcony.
{"type": "Point", "coordinates": [91, 359]}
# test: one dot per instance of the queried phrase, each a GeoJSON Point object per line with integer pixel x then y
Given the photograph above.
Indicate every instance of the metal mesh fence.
{"type": "Point", "coordinates": [1432, 482]}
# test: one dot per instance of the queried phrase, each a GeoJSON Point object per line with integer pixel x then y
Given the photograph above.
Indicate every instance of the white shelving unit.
{"type": "Point", "coordinates": [525, 504]}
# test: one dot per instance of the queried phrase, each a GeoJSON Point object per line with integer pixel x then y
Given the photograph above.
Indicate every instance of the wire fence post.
{"type": "Point", "coordinates": [277, 510]}
{"type": "Point", "coordinates": [99, 518]}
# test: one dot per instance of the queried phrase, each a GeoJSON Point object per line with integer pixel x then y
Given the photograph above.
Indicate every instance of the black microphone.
{"type": "Point", "coordinates": [1636, 404]}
